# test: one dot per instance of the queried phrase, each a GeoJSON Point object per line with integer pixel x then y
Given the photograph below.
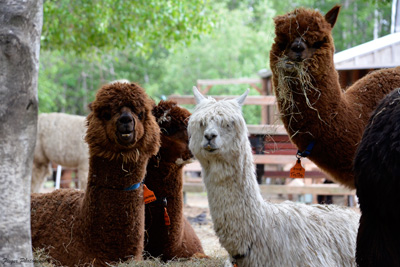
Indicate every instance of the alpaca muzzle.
{"type": "Point", "coordinates": [297, 52]}
{"type": "Point", "coordinates": [126, 128]}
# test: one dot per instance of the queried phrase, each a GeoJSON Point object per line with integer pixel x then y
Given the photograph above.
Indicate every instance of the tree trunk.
{"type": "Point", "coordinates": [20, 31]}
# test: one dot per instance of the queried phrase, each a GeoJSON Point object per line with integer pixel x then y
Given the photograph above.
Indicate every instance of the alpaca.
{"type": "Point", "coordinates": [312, 106]}
{"type": "Point", "coordinates": [164, 177]}
{"type": "Point", "coordinates": [60, 139]}
{"type": "Point", "coordinates": [255, 232]}
{"type": "Point", "coordinates": [105, 223]}
{"type": "Point", "coordinates": [377, 173]}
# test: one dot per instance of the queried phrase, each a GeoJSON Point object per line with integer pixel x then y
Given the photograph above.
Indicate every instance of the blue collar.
{"type": "Point", "coordinates": [306, 152]}
{"type": "Point", "coordinates": [133, 187]}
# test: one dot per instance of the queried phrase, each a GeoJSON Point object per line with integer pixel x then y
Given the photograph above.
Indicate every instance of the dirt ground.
{"type": "Point", "coordinates": [195, 209]}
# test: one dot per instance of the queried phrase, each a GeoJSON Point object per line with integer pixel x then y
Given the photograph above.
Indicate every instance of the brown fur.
{"type": "Point", "coordinates": [104, 223]}
{"type": "Point", "coordinates": [311, 103]}
{"type": "Point", "coordinates": [164, 177]}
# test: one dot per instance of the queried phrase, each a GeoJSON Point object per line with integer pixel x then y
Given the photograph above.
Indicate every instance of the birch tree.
{"type": "Point", "coordinates": [20, 30]}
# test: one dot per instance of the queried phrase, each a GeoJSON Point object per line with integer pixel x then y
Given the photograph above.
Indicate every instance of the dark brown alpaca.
{"type": "Point", "coordinates": [377, 172]}
{"type": "Point", "coordinates": [106, 222]}
{"type": "Point", "coordinates": [312, 105]}
{"type": "Point", "coordinates": [164, 177]}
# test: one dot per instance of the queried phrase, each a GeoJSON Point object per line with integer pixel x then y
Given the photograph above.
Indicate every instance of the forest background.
{"type": "Point", "coordinates": [166, 46]}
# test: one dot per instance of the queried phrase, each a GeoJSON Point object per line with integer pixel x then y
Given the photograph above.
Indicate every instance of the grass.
{"type": "Point", "coordinates": [42, 259]}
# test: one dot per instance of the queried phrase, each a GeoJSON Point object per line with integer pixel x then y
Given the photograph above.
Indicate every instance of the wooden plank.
{"type": "Point", "coordinates": [278, 159]}
{"type": "Point", "coordinates": [280, 146]}
{"type": "Point", "coordinates": [267, 129]}
{"type": "Point", "coordinates": [229, 81]}
{"type": "Point", "coordinates": [285, 174]}
{"type": "Point", "coordinates": [258, 159]}
{"type": "Point", "coordinates": [250, 100]}
{"type": "Point", "coordinates": [194, 187]}
{"type": "Point", "coordinates": [316, 189]}
{"type": "Point", "coordinates": [195, 166]}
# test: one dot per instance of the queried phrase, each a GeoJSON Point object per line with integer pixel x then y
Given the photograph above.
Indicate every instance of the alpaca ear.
{"type": "Point", "coordinates": [241, 98]}
{"type": "Point", "coordinates": [197, 95]}
{"type": "Point", "coordinates": [332, 15]}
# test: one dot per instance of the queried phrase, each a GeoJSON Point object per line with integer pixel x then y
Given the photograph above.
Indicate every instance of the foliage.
{"type": "Point", "coordinates": [141, 25]}
{"type": "Point", "coordinates": [236, 47]}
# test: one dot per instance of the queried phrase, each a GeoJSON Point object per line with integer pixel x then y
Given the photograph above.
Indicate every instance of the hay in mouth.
{"type": "Point", "coordinates": [293, 75]}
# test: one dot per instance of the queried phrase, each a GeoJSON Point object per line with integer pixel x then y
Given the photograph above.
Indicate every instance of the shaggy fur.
{"type": "Point", "coordinates": [164, 177]}
{"type": "Point", "coordinates": [377, 172]}
{"type": "Point", "coordinates": [60, 139]}
{"type": "Point", "coordinates": [105, 223]}
{"type": "Point", "coordinates": [311, 103]}
{"type": "Point", "coordinates": [255, 232]}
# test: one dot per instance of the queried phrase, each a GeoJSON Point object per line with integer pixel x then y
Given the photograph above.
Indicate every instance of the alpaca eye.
{"type": "Point", "coordinates": [140, 115]}
{"type": "Point", "coordinates": [319, 44]}
{"type": "Point", "coordinates": [105, 115]}
{"type": "Point", "coordinates": [172, 130]}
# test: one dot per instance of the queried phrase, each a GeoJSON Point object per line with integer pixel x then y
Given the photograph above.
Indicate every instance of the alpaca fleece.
{"type": "Point", "coordinates": [311, 103]}
{"type": "Point", "coordinates": [164, 177]}
{"type": "Point", "coordinates": [377, 173]}
{"type": "Point", "coordinates": [104, 224]}
{"type": "Point", "coordinates": [255, 232]}
{"type": "Point", "coordinates": [60, 139]}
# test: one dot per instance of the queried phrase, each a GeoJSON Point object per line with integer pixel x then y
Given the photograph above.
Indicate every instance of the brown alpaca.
{"type": "Point", "coordinates": [106, 222]}
{"type": "Point", "coordinates": [164, 177]}
{"type": "Point", "coordinates": [312, 105]}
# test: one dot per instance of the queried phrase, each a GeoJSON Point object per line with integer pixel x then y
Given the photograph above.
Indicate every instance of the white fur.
{"type": "Point", "coordinates": [60, 139]}
{"type": "Point", "coordinates": [286, 234]}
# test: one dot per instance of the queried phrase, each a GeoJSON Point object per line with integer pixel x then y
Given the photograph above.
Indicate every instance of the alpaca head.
{"type": "Point", "coordinates": [303, 36]}
{"type": "Point", "coordinates": [303, 49]}
{"type": "Point", "coordinates": [173, 121]}
{"type": "Point", "coordinates": [217, 129]}
{"type": "Point", "coordinates": [121, 124]}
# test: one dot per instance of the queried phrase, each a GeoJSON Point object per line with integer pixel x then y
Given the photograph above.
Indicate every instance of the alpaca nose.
{"type": "Point", "coordinates": [298, 46]}
{"type": "Point", "coordinates": [210, 136]}
{"type": "Point", "coordinates": [125, 118]}
{"type": "Point", "coordinates": [126, 123]}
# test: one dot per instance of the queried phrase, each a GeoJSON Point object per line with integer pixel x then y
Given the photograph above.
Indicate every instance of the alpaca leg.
{"type": "Point", "coordinates": [40, 172]}
{"type": "Point", "coordinates": [82, 174]}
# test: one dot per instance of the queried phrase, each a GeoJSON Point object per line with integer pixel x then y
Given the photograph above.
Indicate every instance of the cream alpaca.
{"type": "Point", "coordinates": [255, 232]}
{"type": "Point", "coordinates": [60, 139]}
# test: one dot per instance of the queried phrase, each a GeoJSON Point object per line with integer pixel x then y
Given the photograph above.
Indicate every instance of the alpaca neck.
{"type": "Point", "coordinates": [165, 180]}
{"type": "Point", "coordinates": [319, 99]}
{"type": "Point", "coordinates": [111, 215]}
{"type": "Point", "coordinates": [231, 189]}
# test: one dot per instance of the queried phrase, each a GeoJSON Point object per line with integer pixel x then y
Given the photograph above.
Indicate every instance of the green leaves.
{"type": "Point", "coordinates": [140, 25]}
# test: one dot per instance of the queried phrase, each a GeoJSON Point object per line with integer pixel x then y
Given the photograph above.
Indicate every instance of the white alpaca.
{"type": "Point", "coordinates": [255, 232]}
{"type": "Point", "coordinates": [60, 139]}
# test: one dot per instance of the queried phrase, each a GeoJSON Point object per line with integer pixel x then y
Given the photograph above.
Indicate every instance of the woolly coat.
{"type": "Point", "coordinates": [164, 177]}
{"type": "Point", "coordinates": [105, 223]}
{"type": "Point", "coordinates": [377, 172]}
{"type": "Point", "coordinates": [311, 103]}
{"type": "Point", "coordinates": [60, 139]}
{"type": "Point", "coordinates": [255, 232]}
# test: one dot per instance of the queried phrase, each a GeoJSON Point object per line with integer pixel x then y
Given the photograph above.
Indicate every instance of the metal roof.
{"type": "Point", "coordinates": [383, 52]}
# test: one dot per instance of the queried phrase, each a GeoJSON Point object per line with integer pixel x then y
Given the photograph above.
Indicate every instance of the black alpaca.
{"type": "Point", "coordinates": [377, 176]}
